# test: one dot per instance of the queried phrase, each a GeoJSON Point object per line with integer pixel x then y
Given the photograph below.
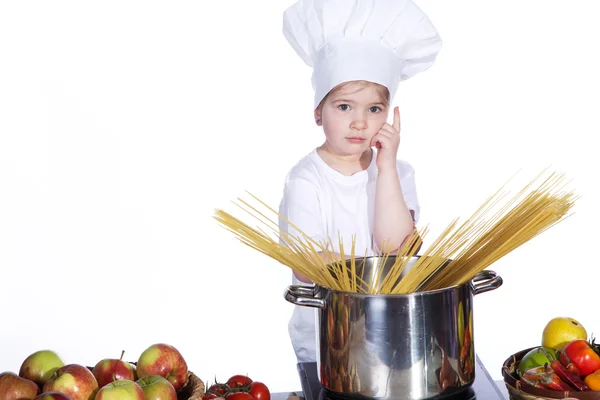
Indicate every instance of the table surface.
{"type": "Point", "coordinates": [499, 385]}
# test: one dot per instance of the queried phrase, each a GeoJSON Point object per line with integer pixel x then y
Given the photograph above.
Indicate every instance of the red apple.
{"type": "Point", "coordinates": [13, 387]}
{"type": "Point", "coordinates": [74, 380]}
{"type": "Point", "coordinates": [39, 366]}
{"type": "Point", "coordinates": [121, 390]}
{"type": "Point", "coordinates": [53, 396]}
{"type": "Point", "coordinates": [164, 360]}
{"type": "Point", "coordinates": [156, 387]}
{"type": "Point", "coordinates": [110, 369]}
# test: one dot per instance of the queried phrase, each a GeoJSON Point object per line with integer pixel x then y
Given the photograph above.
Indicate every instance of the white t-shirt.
{"type": "Point", "coordinates": [323, 204]}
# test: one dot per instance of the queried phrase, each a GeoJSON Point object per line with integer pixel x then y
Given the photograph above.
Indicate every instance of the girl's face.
{"type": "Point", "coordinates": [350, 117]}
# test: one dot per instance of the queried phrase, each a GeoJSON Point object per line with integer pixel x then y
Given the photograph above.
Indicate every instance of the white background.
{"type": "Point", "coordinates": [124, 124]}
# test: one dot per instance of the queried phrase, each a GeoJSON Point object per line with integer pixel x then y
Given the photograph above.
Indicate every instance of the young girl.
{"type": "Point", "coordinates": [352, 186]}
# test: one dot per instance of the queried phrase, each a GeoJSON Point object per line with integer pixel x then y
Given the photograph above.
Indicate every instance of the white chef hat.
{"type": "Point", "coordinates": [381, 41]}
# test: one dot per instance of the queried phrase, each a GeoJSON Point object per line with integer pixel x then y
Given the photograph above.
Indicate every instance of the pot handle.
{"type": "Point", "coordinates": [303, 296]}
{"type": "Point", "coordinates": [485, 281]}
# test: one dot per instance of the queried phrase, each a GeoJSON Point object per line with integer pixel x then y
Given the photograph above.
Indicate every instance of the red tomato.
{"type": "Point", "coordinates": [239, 396]}
{"type": "Point", "coordinates": [238, 381]}
{"type": "Point", "coordinates": [209, 396]}
{"type": "Point", "coordinates": [582, 355]}
{"type": "Point", "coordinates": [219, 389]}
{"type": "Point", "coordinates": [260, 391]}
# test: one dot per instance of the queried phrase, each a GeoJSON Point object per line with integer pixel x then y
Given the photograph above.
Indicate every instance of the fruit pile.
{"type": "Point", "coordinates": [159, 374]}
{"type": "Point", "coordinates": [566, 360]}
{"type": "Point", "coordinates": [238, 387]}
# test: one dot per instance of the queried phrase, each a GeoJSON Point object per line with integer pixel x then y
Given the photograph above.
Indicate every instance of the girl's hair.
{"type": "Point", "coordinates": [383, 92]}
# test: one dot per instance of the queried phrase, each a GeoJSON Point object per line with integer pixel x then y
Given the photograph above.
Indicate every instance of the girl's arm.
{"type": "Point", "coordinates": [393, 220]}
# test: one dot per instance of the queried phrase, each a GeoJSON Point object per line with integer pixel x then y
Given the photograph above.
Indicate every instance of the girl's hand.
{"type": "Point", "coordinates": [387, 141]}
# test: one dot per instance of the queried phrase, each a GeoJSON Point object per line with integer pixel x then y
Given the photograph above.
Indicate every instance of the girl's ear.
{"type": "Point", "coordinates": [318, 119]}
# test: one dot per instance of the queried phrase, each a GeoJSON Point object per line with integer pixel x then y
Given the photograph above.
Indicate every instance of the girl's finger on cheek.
{"type": "Point", "coordinates": [394, 131]}
{"type": "Point", "coordinates": [391, 130]}
{"type": "Point", "coordinates": [383, 131]}
{"type": "Point", "coordinates": [387, 133]}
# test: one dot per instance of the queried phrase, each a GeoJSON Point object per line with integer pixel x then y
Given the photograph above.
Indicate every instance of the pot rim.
{"type": "Point", "coordinates": [405, 295]}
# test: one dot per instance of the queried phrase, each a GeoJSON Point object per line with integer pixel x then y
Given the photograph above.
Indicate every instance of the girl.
{"type": "Point", "coordinates": [352, 186]}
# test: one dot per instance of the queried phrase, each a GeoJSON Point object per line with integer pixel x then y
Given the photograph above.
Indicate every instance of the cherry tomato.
{"type": "Point", "coordinates": [239, 396]}
{"type": "Point", "coordinates": [580, 353]}
{"type": "Point", "coordinates": [239, 381]}
{"type": "Point", "coordinates": [219, 389]}
{"type": "Point", "coordinates": [260, 391]}
{"type": "Point", "coordinates": [209, 396]}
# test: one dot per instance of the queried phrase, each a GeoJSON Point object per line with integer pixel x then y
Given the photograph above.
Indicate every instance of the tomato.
{"type": "Point", "coordinates": [582, 355]}
{"type": "Point", "coordinates": [260, 391]}
{"type": "Point", "coordinates": [239, 381]}
{"type": "Point", "coordinates": [239, 396]}
{"type": "Point", "coordinates": [219, 389]}
{"type": "Point", "coordinates": [209, 396]}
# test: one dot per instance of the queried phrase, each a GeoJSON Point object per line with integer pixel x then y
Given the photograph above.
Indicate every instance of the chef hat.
{"type": "Point", "coordinates": [381, 41]}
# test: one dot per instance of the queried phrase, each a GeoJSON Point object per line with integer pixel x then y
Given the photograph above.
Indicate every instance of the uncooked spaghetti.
{"type": "Point", "coordinates": [455, 256]}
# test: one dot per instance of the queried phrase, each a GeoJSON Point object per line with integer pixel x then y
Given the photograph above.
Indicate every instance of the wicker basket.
{"type": "Point", "coordinates": [521, 390]}
{"type": "Point", "coordinates": [193, 388]}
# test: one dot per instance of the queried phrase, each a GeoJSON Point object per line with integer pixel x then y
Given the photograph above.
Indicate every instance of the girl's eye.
{"type": "Point", "coordinates": [344, 107]}
{"type": "Point", "coordinates": [375, 109]}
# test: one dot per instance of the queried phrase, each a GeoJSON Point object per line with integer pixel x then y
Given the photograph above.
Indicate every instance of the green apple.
{"type": "Point", "coordinates": [40, 366]}
{"type": "Point", "coordinates": [536, 357]}
{"type": "Point", "coordinates": [121, 390]}
{"type": "Point", "coordinates": [156, 387]}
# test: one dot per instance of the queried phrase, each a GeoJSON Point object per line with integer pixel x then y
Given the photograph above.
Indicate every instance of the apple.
{"type": "Point", "coordinates": [156, 387]}
{"type": "Point", "coordinates": [121, 390]}
{"type": "Point", "coordinates": [53, 396]}
{"type": "Point", "coordinates": [39, 366]}
{"type": "Point", "coordinates": [13, 387]}
{"type": "Point", "coordinates": [110, 369]}
{"type": "Point", "coordinates": [164, 360]}
{"type": "Point", "coordinates": [74, 380]}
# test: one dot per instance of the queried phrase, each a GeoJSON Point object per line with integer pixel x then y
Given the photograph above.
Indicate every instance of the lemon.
{"type": "Point", "coordinates": [560, 331]}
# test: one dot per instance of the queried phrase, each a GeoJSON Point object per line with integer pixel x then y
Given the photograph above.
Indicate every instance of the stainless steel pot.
{"type": "Point", "coordinates": [415, 346]}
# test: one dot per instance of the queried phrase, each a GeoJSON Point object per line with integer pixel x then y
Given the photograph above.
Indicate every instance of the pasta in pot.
{"type": "Point", "coordinates": [455, 257]}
